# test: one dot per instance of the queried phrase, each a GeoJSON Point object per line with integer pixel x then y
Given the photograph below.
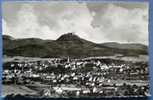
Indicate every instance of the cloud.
{"type": "Point", "coordinates": [77, 19]}
{"type": "Point", "coordinates": [5, 28]}
{"type": "Point", "coordinates": [69, 19]}
{"type": "Point", "coordinates": [124, 25]}
{"type": "Point", "coordinates": [102, 24]}
{"type": "Point", "coordinates": [27, 25]}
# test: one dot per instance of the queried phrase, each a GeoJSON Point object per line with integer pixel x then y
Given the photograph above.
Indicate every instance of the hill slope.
{"type": "Point", "coordinates": [67, 45]}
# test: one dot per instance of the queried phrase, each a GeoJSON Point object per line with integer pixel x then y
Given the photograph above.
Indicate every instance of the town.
{"type": "Point", "coordinates": [83, 77]}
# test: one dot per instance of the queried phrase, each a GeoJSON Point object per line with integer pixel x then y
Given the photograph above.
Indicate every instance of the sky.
{"type": "Point", "coordinates": [97, 22]}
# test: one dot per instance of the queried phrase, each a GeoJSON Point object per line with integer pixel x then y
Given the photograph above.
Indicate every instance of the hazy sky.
{"type": "Point", "coordinates": [97, 22]}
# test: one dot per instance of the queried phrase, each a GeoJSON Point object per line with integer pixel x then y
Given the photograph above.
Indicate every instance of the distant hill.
{"type": "Point", "coordinates": [67, 45]}
{"type": "Point", "coordinates": [125, 45]}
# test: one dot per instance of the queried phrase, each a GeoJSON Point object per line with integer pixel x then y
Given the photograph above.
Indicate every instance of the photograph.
{"type": "Point", "coordinates": [57, 49]}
